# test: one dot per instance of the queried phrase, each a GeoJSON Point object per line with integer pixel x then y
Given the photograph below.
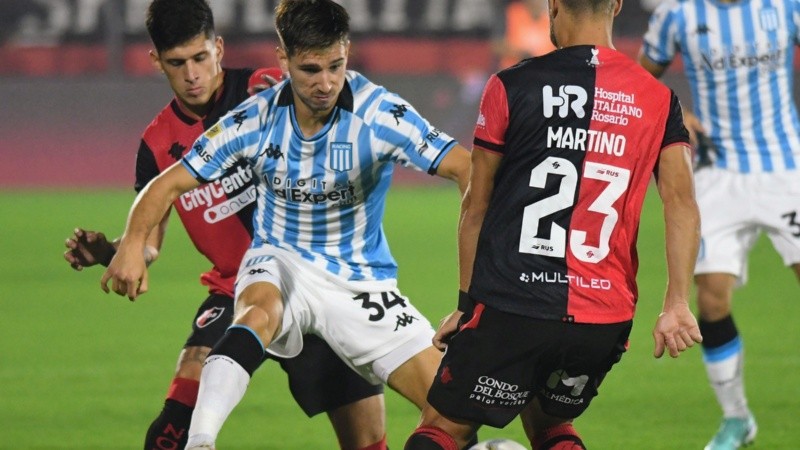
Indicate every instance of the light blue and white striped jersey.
{"type": "Point", "coordinates": [323, 197]}
{"type": "Point", "coordinates": [738, 58]}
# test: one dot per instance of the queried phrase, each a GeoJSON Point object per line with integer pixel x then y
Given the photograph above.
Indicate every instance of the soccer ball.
{"type": "Point", "coordinates": [498, 444]}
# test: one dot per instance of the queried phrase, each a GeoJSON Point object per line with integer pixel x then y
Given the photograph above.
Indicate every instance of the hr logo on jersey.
{"type": "Point", "coordinates": [769, 18]}
{"type": "Point", "coordinates": [209, 316]}
{"type": "Point", "coordinates": [563, 102]}
{"type": "Point", "coordinates": [341, 156]}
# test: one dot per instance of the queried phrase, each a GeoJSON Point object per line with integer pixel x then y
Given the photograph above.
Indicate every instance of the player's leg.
{"type": "Point", "coordinates": [258, 317]}
{"type": "Point", "coordinates": [321, 382]}
{"type": "Point", "coordinates": [413, 378]}
{"type": "Point", "coordinates": [728, 234]}
{"type": "Point", "coordinates": [170, 429]}
{"type": "Point", "coordinates": [548, 432]}
{"type": "Point", "coordinates": [360, 425]}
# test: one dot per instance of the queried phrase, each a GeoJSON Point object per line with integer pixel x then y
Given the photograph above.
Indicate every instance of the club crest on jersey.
{"type": "Point", "coordinates": [209, 316]}
{"type": "Point", "coordinates": [341, 156]}
{"type": "Point", "coordinates": [769, 18]}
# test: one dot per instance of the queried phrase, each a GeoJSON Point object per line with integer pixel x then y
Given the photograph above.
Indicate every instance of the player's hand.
{"type": "Point", "coordinates": [693, 126]}
{"type": "Point", "coordinates": [269, 77]}
{"type": "Point", "coordinates": [676, 330]}
{"type": "Point", "coordinates": [447, 328]}
{"type": "Point", "coordinates": [87, 248]}
{"type": "Point", "coordinates": [127, 273]}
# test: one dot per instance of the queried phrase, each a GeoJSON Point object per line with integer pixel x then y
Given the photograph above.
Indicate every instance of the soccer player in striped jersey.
{"type": "Point", "coordinates": [564, 149]}
{"type": "Point", "coordinates": [322, 146]}
{"type": "Point", "coordinates": [218, 218]}
{"type": "Point", "coordinates": [738, 57]}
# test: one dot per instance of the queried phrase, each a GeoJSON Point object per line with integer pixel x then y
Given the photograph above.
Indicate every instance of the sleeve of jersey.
{"type": "Point", "coordinates": [675, 132]}
{"type": "Point", "coordinates": [411, 139]}
{"type": "Point", "coordinates": [490, 129]}
{"type": "Point", "coordinates": [234, 137]}
{"type": "Point", "coordinates": [146, 166]}
{"type": "Point", "coordinates": [659, 42]}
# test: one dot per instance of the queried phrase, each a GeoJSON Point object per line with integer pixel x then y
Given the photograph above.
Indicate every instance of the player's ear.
{"type": "Point", "coordinates": [617, 7]}
{"type": "Point", "coordinates": [283, 59]}
{"type": "Point", "coordinates": [155, 61]}
{"type": "Point", "coordinates": [219, 44]}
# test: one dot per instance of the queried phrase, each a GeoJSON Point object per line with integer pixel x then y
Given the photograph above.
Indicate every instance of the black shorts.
{"type": "Point", "coordinates": [318, 379]}
{"type": "Point", "coordinates": [499, 362]}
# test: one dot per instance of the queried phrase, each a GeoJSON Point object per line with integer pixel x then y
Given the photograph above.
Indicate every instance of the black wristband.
{"type": "Point", "coordinates": [464, 302]}
{"type": "Point", "coordinates": [107, 260]}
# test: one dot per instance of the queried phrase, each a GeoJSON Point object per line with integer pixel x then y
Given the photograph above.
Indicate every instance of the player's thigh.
{"type": "Point", "coordinates": [728, 229]}
{"type": "Point", "coordinates": [213, 317]}
{"type": "Point", "coordinates": [209, 324]}
{"type": "Point", "coordinates": [413, 378]}
{"type": "Point", "coordinates": [376, 330]}
{"type": "Point", "coordinates": [779, 210]}
{"type": "Point", "coordinates": [321, 382]}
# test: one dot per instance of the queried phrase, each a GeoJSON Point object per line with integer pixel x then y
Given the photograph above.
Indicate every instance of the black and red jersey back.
{"type": "Point", "coordinates": [580, 131]}
{"type": "Point", "coordinates": [223, 208]}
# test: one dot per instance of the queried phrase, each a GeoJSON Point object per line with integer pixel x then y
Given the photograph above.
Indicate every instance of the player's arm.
{"type": "Point", "coordinates": [690, 120]}
{"type": "Point", "coordinates": [455, 166]}
{"type": "Point", "coordinates": [128, 269]}
{"type": "Point", "coordinates": [676, 328]}
{"type": "Point", "coordinates": [473, 209]}
{"type": "Point", "coordinates": [651, 66]}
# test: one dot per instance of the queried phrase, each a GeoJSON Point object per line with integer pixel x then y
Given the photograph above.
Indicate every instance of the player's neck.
{"type": "Point", "coordinates": [585, 32]}
{"type": "Point", "coordinates": [309, 121]}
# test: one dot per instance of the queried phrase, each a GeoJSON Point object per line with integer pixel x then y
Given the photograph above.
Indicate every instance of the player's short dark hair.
{"type": "Point", "coordinates": [171, 23]}
{"type": "Point", "coordinates": [310, 24]}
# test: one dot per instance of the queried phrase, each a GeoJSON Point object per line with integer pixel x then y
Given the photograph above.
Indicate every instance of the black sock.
{"type": "Point", "coordinates": [716, 334]}
{"type": "Point", "coordinates": [241, 345]}
{"type": "Point", "coordinates": [170, 430]}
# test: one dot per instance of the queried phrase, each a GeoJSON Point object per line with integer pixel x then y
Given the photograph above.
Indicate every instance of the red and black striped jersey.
{"type": "Point", "coordinates": [218, 215]}
{"type": "Point", "coordinates": [580, 131]}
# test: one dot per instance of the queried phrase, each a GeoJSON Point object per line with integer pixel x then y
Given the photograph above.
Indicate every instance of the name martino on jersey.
{"type": "Point", "coordinates": [322, 197]}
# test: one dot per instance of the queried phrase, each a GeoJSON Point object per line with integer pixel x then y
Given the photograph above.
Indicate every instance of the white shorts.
{"type": "Point", "coordinates": [369, 324]}
{"type": "Point", "coordinates": [735, 208]}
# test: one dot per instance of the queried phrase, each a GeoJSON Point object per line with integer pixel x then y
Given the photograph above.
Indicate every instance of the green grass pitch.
{"type": "Point", "coordinates": [84, 370]}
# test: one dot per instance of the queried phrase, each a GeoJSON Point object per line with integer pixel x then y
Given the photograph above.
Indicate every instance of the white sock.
{"type": "Point", "coordinates": [727, 378]}
{"type": "Point", "coordinates": [223, 383]}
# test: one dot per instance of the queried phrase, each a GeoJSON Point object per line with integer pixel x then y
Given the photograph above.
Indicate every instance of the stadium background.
{"type": "Point", "coordinates": [83, 370]}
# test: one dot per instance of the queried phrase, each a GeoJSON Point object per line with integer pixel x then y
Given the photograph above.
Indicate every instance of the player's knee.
{"type": "Point", "coordinates": [261, 312]}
